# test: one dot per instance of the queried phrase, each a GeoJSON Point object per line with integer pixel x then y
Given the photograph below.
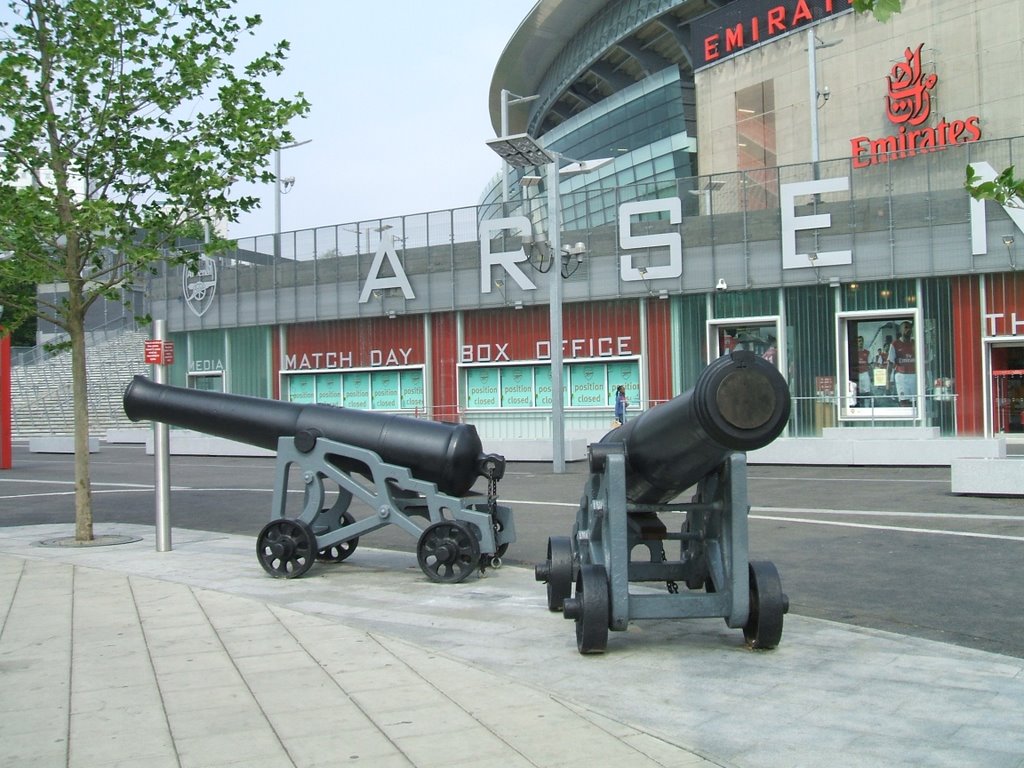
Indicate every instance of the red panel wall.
{"type": "Point", "coordinates": [659, 351]}
{"type": "Point", "coordinates": [1004, 297]}
{"type": "Point", "coordinates": [589, 330]}
{"type": "Point", "coordinates": [968, 356]}
{"type": "Point", "coordinates": [444, 339]}
{"type": "Point", "coordinates": [377, 342]}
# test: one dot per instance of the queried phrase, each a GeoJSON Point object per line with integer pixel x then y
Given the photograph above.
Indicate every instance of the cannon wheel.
{"type": "Point", "coordinates": [768, 604]}
{"type": "Point", "coordinates": [559, 571]}
{"type": "Point", "coordinates": [448, 552]}
{"type": "Point", "coordinates": [590, 609]}
{"type": "Point", "coordinates": [342, 550]}
{"type": "Point", "coordinates": [286, 548]}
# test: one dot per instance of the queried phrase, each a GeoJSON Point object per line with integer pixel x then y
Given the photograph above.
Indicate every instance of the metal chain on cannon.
{"type": "Point", "coordinates": [492, 466]}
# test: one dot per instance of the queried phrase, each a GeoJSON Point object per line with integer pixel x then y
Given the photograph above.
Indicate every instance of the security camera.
{"type": "Point", "coordinates": [722, 285]}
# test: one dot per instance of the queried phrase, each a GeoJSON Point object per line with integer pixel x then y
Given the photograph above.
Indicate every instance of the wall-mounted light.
{"type": "Point", "coordinates": [663, 293]}
{"type": "Point", "coordinates": [885, 293]}
{"type": "Point", "coordinates": [1008, 242]}
{"type": "Point", "coordinates": [518, 304]}
{"type": "Point", "coordinates": [823, 96]}
{"type": "Point", "coordinates": [813, 259]}
{"type": "Point", "coordinates": [392, 314]}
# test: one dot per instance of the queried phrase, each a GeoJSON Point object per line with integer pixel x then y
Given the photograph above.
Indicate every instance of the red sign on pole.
{"type": "Point", "coordinates": [158, 352]}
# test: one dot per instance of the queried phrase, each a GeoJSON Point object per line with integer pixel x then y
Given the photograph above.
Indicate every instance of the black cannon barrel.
{"type": "Point", "coordinates": [739, 403]}
{"type": "Point", "coordinates": [448, 455]}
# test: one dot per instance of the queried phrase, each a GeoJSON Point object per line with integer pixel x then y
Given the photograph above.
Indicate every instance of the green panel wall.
{"type": "Point", "coordinates": [249, 361]}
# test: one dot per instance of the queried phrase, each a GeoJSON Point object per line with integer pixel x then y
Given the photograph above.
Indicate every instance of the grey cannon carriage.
{"type": "Point", "coordinates": [410, 472]}
{"type": "Point", "coordinates": [739, 403]}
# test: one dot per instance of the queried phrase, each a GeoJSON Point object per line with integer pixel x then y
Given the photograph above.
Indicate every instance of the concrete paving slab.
{"type": "Point", "coordinates": [489, 656]}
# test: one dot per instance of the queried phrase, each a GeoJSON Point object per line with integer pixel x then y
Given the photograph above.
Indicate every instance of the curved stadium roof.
{"type": "Point", "coordinates": [574, 53]}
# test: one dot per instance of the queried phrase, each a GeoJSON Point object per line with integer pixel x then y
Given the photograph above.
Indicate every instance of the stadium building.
{"type": "Point", "coordinates": [783, 176]}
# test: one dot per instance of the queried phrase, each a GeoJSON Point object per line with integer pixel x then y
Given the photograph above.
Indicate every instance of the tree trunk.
{"type": "Point", "coordinates": [80, 397]}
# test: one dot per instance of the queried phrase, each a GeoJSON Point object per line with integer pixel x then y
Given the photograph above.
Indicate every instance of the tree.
{"type": "Point", "coordinates": [1006, 189]}
{"type": "Point", "coordinates": [880, 9]}
{"type": "Point", "coordinates": [121, 121]}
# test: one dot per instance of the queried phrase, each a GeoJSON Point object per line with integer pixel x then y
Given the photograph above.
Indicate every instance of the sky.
{"type": "Point", "coordinates": [399, 106]}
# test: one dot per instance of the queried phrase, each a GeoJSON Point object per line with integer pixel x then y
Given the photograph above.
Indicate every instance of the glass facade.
{"type": "Point", "coordinates": [642, 129]}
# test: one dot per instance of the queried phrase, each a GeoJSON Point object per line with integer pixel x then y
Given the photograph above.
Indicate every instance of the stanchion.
{"type": "Point", "coordinates": [5, 401]}
{"type": "Point", "coordinates": [161, 443]}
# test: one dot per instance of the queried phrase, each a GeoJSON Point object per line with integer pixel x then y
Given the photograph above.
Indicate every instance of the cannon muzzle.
{"type": "Point", "coordinates": [739, 403]}
{"type": "Point", "coordinates": [449, 455]}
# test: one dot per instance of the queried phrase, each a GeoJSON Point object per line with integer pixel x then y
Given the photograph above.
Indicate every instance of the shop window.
{"type": "Point", "coordinates": [388, 389]}
{"type": "Point", "coordinates": [758, 335]}
{"type": "Point", "coordinates": [880, 353]}
{"type": "Point", "coordinates": [584, 384]}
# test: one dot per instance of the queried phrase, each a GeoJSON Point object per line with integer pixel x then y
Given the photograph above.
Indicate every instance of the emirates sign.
{"type": "Point", "coordinates": [908, 105]}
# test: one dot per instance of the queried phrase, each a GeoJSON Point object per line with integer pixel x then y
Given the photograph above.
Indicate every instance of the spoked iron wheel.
{"type": "Point", "coordinates": [448, 552]}
{"type": "Point", "coordinates": [768, 604]}
{"type": "Point", "coordinates": [341, 551]}
{"type": "Point", "coordinates": [556, 571]}
{"type": "Point", "coordinates": [286, 548]}
{"type": "Point", "coordinates": [590, 609]}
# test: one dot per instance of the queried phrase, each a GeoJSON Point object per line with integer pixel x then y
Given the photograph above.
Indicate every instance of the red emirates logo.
{"type": "Point", "coordinates": [908, 104]}
{"type": "Point", "coordinates": [909, 101]}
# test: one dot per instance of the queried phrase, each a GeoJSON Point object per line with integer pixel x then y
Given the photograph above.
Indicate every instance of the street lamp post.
{"type": "Point", "coordinates": [278, 181]}
{"type": "Point", "coordinates": [813, 44]}
{"type": "Point", "coordinates": [523, 151]}
{"type": "Point", "coordinates": [509, 99]}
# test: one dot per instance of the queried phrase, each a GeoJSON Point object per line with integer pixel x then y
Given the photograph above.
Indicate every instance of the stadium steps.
{"type": "Point", "coordinates": [41, 391]}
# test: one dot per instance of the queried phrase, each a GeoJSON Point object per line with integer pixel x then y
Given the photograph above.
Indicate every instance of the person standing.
{"type": "Point", "coordinates": [903, 362]}
{"type": "Point", "coordinates": [621, 404]}
{"type": "Point", "coordinates": [863, 373]}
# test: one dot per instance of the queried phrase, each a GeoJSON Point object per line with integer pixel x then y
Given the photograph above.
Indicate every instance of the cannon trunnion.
{"type": "Point", "coordinates": [601, 576]}
{"type": "Point", "coordinates": [410, 472]}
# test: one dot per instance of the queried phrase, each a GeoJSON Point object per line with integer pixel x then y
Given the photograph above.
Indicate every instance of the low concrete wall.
{"type": "Point", "coordinates": [131, 436]}
{"type": "Point", "coordinates": [995, 477]}
{"type": "Point", "coordinates": [883, 433]}
{"type": "Point", "coordinates": [536, 450]}
{"type": "Point", "coordinates": [186, 443]}
{"type": "Point", "coordinates": [893, 450]}
{"type": "Point", "coordinates": [59, 444]}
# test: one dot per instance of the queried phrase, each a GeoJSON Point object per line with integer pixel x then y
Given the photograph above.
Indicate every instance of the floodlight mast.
{"type": "Point", "coordinates": [522, 151]}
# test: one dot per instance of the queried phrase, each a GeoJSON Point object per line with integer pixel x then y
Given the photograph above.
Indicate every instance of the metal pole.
{"type": "Point", "coordinates": [161, 457]}
{"type": "Point", "coordinates": [6, 384]}
{"type": "Point", "coordinates": [555, 243]}
{"type": "Point", "coordinates": [507, 99]}
{"type": "Point", "coordinates": [277, 203]}
{"type": "Point", "coordinates": [812, 78]}
{"type": "Point", "coordinates": [504, 163]}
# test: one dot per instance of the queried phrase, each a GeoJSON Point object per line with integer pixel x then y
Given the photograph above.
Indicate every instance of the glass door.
{"type": "Point", "coordinates": [1008, 389]}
